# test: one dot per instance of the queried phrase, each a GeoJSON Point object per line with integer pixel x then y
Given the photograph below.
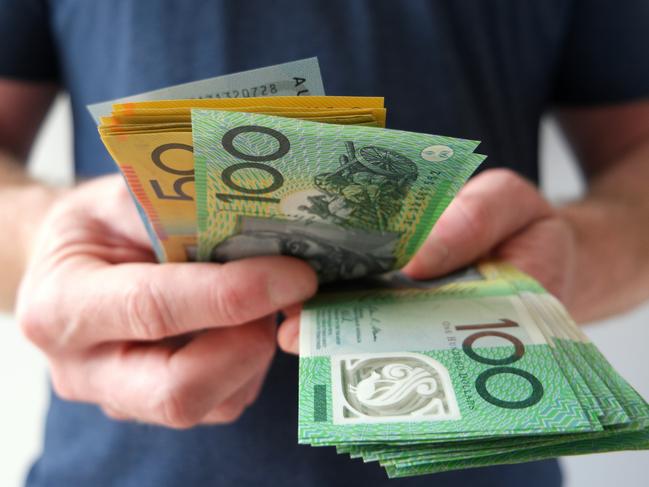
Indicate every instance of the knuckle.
{"type": "Point", "coordinates": [146, 312]}
{"type": "Point", "coordinates": [229, 413]}
{"type": "Point", "coordinates": [32, 323]}
{"type": "Point", "coordinates": [37, 316]}
{"type": "Point", "coordinates": [174, 410]}
{"type": "Point", "coordinates": [230, 300]}
{"type": "Point", "coordinates": [61, 385]}
{"type": "Point", "coordinates": [115, 188]}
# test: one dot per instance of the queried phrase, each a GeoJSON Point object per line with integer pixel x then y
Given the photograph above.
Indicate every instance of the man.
{"type": "Point", "coordinates": [139, 398]}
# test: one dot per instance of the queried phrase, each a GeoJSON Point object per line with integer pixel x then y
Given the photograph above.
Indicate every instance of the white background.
{"type": "Point", "coordinates": [23, 379]}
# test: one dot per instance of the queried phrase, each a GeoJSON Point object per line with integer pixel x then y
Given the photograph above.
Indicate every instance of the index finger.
{"type": "Point", "coordinates": [152, 301]}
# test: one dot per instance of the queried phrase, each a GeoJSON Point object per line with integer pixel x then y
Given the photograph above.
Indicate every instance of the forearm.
{"type": "Point", "coordinates": [23, 204]}
{"type": "Point", "coordinates": [611, 226]}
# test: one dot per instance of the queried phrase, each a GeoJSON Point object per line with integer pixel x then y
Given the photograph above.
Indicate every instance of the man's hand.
{"type": "Point", "coordinates": [593, 254]}
{"type": "Point", "coordinates": [501, 215]}
{"type": "Point", "coordinates": [173, 344]}
{"type": "Point", "coordinates": [497, 214]}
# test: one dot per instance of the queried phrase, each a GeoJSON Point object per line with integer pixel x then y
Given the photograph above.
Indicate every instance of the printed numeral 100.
{"type": "Point", "coordinates": [255, 162]}
{"type": "Point", "coordinates": [502, 364]}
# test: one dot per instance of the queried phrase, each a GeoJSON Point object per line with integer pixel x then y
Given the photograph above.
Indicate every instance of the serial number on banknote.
{"type": "Point", "coordinates": [261, 90]}
{"type": "Point", "coordinates": [294, 86]}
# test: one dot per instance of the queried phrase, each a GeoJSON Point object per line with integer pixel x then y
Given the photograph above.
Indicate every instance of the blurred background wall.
{"type": "Point", "coordinates": [23, 377]}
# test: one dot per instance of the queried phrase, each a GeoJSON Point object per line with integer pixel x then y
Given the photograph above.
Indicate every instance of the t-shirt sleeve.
{"type": "Point", "coordinates": [605, 58]}
{"type": "Point", "coordinates": [27, 49]}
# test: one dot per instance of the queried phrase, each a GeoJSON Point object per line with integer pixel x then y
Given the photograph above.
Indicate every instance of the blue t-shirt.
{"type": "Point", "coordinates": [480, 70]}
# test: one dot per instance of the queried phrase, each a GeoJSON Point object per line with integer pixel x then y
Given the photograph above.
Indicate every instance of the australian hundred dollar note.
{"type": "Point", "coordinates": [350, 200]}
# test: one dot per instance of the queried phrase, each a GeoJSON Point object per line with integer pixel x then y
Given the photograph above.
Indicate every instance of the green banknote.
{"type": "Point", "coordinates": [350, 200]}
{"type": "Point", "coordinates": [478, 368]}
{"type": "Point", "coordinates": [430, 365]}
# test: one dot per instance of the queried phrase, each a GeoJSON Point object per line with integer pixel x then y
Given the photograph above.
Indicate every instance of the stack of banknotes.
{"type": "Point", "coordinates": [481, 368]}
{"type": "Point", "coordinates": [477, 369]}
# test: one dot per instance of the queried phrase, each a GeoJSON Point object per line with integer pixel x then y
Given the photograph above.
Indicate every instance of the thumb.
{"type": "Point", "coordinates": [492, 207]}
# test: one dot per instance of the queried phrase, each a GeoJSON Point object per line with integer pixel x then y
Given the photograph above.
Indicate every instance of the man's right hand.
{"type": "Point", "coordinates": [172, 344]}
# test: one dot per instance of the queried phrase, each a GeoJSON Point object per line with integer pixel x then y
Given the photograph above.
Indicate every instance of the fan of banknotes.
{"type": "Point", "coordinates": [480, 368]}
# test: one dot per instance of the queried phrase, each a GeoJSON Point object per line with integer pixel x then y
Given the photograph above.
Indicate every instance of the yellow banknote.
{"type": "Point", "coordinates": [144, 116]}
{"type": "Point", "coordinates": [277, 101]}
